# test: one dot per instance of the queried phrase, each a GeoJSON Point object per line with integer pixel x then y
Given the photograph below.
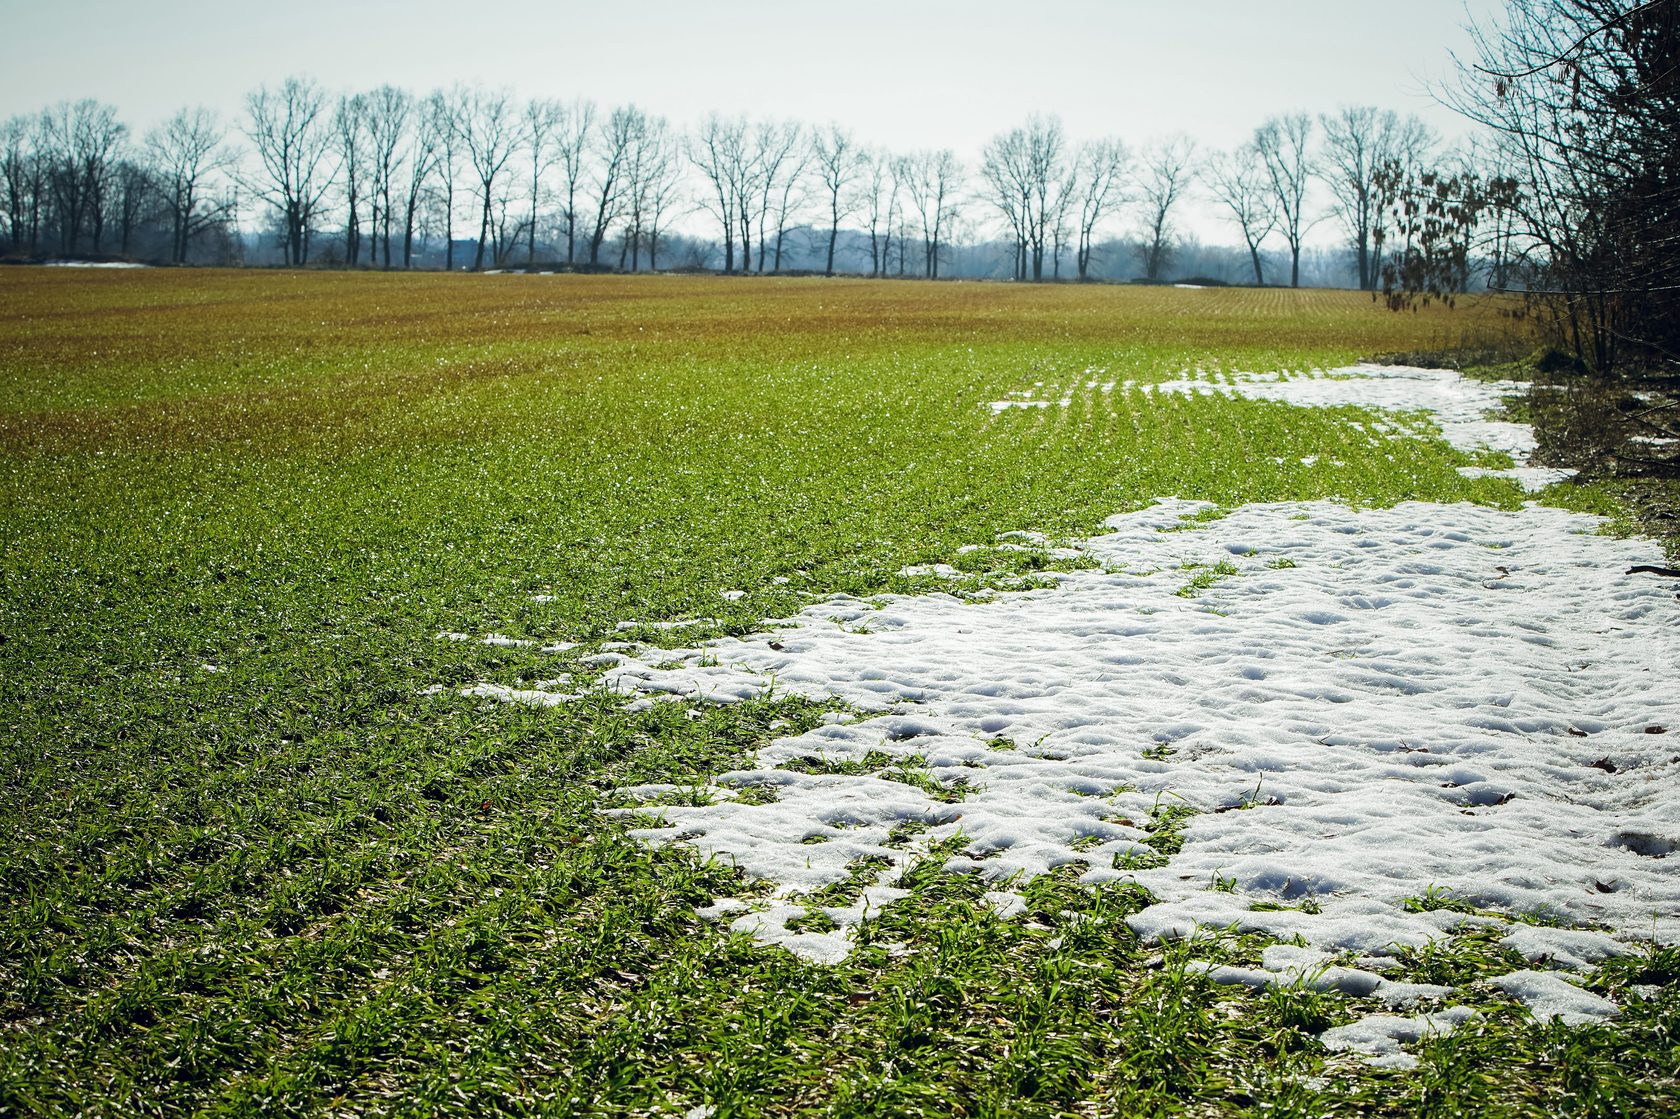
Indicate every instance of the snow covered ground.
{"type": "Point", "coordinates": [1377, 702]}
{"type": "Point", "coordinates": [1361, 706]}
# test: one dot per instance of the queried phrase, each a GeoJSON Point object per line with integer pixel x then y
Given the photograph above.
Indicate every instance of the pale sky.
{"type": "Point", "coordinates": [903, 73]}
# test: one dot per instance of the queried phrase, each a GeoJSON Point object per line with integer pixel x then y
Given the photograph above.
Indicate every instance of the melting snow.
{"type": "Point", "coordinates": [1286, 965]}
{"type": "Point", "coordinates": [1380, 1036]}
{"type": "Point", "coordinates": [1548, 995]}
{"type": "Point", "coordinates": [497, 640]}
{"type": "Point", "coordinates": [1459, 405]}
{"type": "Point", "coordinates": [1376, 703]}
{"type": "Point", "coordinates": [1432, 695]}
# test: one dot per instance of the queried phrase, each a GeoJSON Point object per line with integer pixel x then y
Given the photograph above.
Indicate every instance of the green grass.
{"type": "Point", "coordinates": [253, 869]}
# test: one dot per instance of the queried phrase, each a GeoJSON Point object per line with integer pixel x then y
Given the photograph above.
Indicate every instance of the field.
{"type": "Point", "coordinates": [263, 857]}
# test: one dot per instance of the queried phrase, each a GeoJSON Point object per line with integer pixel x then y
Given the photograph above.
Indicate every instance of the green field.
{"type": "Point", "coordinates": [252, 869]}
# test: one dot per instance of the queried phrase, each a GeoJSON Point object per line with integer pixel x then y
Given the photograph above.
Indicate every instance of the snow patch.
{"type": "Point", "coordinates": [93, 264]}
{"type": "Point", "coordinates": [496, 640]}
{"type": "Point", "coordinates": [1418, 701]}
{"type": "Point", "coordinates": [1578, 949]}
{"type": "Point", "coordinates": [1380, 1036]}
{"type": "Point", "coordinates": [529, 697]}
{"type": "Point", "coordinates": [1548, 995]}
{"type": "Point", "coordinates": [1287, 965]}
{"type": "Point", "coordinates": [941, 570]}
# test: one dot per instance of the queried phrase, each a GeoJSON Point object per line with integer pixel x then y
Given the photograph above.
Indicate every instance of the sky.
{"type": "Point", "coordinates": [904, 74]}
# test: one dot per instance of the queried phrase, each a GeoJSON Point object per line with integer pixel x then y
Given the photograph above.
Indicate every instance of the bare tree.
{"type": "Point", "coordinates": [666, 192]}
{"type": "Point", "coordinates": [1026, 172]}
{"type": "Point", "coordinates": [1060, 205]}
{"type": "Point", "coordinates": [290, 131]}
{"type": "Point", "coordinates": [901, 169]}
{"type": "Point", "coordinates": [1353, 149]}
{"type": "Point", "coordinates": [390, 122]}
{"type": "Point", "coordinates": [1044, 152]}
{"type": "Point", "coordinates": [782, 158]}
{"type": "Point", "coordinates": [185, 152]}
{"type": "Point", "coordinates": [1584, 99]}
{"type": "Point", "coordinates": [747, 174]}
{"type": "Point", "coordinates": [731, 155]}
{"type": "Point", "coordinates": [1283, 144]}
{"type": "Point", "coordinates": [1413, 147]}
{"type": "Point", "coordinates": [102, 144]}
{"type": "Point", "coordinates": [932, 182]}
{"type": "Point", "coordinates": [839, 167]}
{"type": "Point", "coordinates": [881, 192]}
{"type": "Point", "coordinates": [653, 178]}
{"type": "Point", "coordinates": [623, 127]}
{"type": "Point", "coordinates": [133, 194]}
{"type": "Point", "coordinates": [1166, 177]}
{"type": "Point", "coordinates": [1003, 168]}
{"type": "Point", "coordinates": [490, 136]}
{"type": "Point", "coordinates": [1237, 180]}
{"type": "Point", "coordinates": [630, 208]}
{"type": "Point", "coordinates": [715, 149]}
{"type": "Point", "coordinates": [1357, 141]}
{"type": "Point", "coordinates": [430, 156]}
{"type": "Point", "coordinates": [573, 135]}
{"type": "Point", "coordinates": [21, 181]}
{"type": "Point", "coordinates": [507, 225]}
{"type": "Point", "coordinates": [80, 145]}
{"type": "Point", "coordinates": [543, 119]}
{"type": "Point", "coordinates": [1102, 172]}
{"type": "Point", "coordinates": [350, 120]}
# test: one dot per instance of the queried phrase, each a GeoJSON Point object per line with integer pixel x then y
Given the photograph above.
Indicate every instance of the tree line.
{"type": "Point", "coordinates": [374, 179]}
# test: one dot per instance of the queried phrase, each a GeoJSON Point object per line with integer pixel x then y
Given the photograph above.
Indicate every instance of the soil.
{"type": "Point", "coordinates": [1625, 432]}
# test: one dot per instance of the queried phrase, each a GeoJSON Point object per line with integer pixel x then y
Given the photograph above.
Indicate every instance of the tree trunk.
{"type": "Point", "coordinates": [483, 231]}
{"type": "Point", "coordinates": [531, 233]}
{"type": "Point", "coordinates": [294, 233]}
{"type": "Point", "coordinates": [352, 236]}
{"type": "Point", "coordinates": [449, 228]}
{"type": "Point", "coordinates": [177, 233]}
